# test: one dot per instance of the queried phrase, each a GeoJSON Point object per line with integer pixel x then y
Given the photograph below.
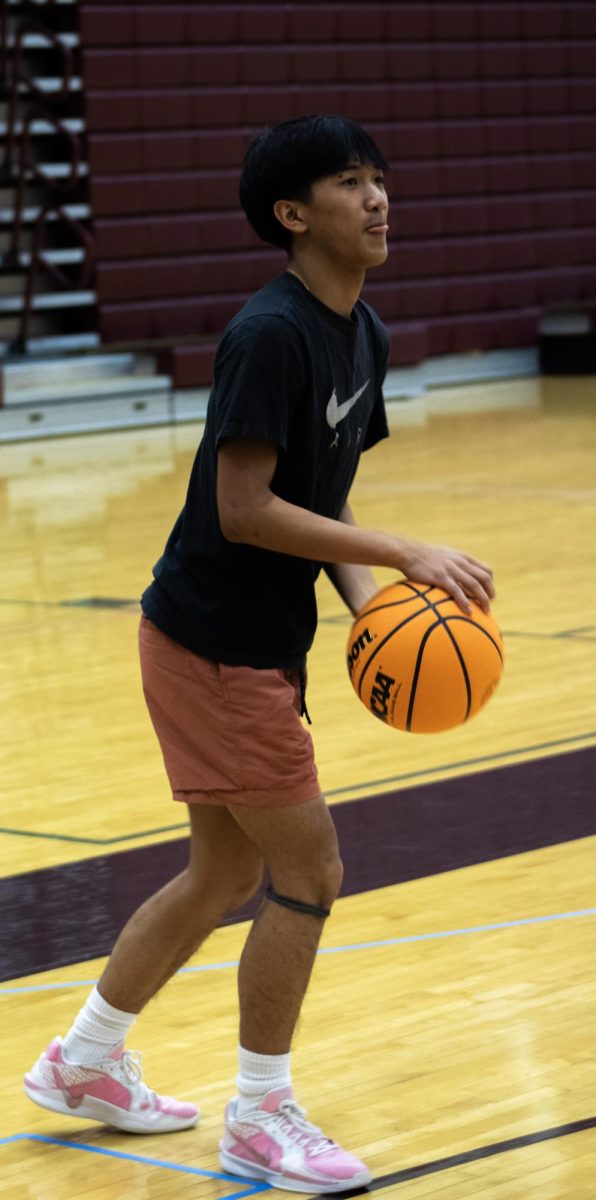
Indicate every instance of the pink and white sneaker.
{"type": "Point", "coordinates": [111, 1091]}
{"type": "Point", "coordinates": [276, 1143]}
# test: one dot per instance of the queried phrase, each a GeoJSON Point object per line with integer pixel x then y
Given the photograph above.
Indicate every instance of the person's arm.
{"type": "Point", "coordinates": [354, 582]}
{"type": "Point", "coordinates": [250, 512]}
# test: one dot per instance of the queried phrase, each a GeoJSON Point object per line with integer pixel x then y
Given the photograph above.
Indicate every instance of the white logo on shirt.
{"type": "Point", "coordinates": [336, 412]}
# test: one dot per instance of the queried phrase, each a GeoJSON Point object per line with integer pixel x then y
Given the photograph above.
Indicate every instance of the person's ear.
{"type": "Point", "coordinates": [290, 215]}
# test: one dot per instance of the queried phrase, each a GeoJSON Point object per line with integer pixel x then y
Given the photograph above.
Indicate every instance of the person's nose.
{"type": "Point", "coordinates": [376, 199]}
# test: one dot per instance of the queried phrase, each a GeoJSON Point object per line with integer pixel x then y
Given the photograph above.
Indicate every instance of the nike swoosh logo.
{"type": "Point", "coordinates": [336, 412]}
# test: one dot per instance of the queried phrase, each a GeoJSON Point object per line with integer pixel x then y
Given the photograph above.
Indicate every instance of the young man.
{"type": "Point", "coordinates": [227, 624]}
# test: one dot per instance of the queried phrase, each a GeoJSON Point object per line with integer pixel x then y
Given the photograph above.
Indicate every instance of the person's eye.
{"type": "Point", "coordinates": [351, 181]}
{"type": "Point", "coordinates": [380, 181]}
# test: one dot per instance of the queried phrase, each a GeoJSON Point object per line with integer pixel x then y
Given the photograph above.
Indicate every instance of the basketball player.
{"type": "Point", "coordinates": [227, 623]}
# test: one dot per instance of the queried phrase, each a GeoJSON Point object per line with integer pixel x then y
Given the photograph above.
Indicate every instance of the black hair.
{"type": "Point", "coordinates": [285, 160]}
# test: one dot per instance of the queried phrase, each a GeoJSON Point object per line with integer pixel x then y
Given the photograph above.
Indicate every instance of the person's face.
{"type": "Point", "coordinates": [346, 216]}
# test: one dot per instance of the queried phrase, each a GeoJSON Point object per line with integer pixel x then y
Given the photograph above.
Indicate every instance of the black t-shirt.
{"type": "Point", "coordinates": [290, 371]}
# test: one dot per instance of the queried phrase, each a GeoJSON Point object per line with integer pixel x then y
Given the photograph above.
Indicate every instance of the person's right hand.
{"type": "Point", "coordinates": [462, 576]}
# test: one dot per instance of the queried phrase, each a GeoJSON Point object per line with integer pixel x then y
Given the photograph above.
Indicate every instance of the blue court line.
{"type": "Point", "coordinates": [249, 1188]}
{"type": "Point", "coordinates": [484, 761]}
{"type": "Point", "coordinates": [428, 937]}
{"type": "Point", "coordinates": [397, 941]}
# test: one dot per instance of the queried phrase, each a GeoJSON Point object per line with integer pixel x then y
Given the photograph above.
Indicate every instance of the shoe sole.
{"type": "Point", "coordinates": [107, 1114]}
{"type": "Point", "coordinates": [238, 1166]}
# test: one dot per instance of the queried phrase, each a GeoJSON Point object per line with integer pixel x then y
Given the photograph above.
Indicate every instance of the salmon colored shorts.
{"type": "Point", "coordinates": [228, 735]}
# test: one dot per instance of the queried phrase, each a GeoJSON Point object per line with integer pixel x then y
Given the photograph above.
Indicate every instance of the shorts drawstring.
{"type": "Point", "coordinates": [303, 709]}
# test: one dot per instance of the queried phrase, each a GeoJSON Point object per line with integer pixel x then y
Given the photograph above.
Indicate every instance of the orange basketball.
{"type": "Point", "coordinates": [418, 663]}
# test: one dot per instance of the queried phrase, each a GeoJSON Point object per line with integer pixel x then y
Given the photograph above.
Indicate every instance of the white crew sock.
{"type": "Point", "coordinates": [98, 1029]}
{"type": "Point", "coordinates": [259, 1074]}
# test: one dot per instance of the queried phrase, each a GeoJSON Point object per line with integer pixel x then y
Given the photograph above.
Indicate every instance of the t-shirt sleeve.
{"type": "Point", "coordinates": [377, 427]}
{"type": "Point", "coordinates": [258, 380]}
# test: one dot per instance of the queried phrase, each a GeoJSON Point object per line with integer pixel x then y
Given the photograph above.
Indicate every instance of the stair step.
{"type": "Point", "coordinates": [43, 128]}
{"type": "Point", "coordinates": [59, 258]}
{"type": "Point", "coordinates": [27, 374]}
{"type": "Point", "coordinates": [49, 84]}
{"type": "Point", "coordinates": [77, 212]}
{"type": "Point", "coordinates": [36, 41]}
{"type": "Point", "coordinates": [57, 170]}
{"type": "Point", "coordinates": [48, 300]}
{"type": "Point", "coordinates": [23, 423]}
{"type": "Point", "coordinates": [55, 343]}
{"type": "Point", "coordinates": [87, 390]}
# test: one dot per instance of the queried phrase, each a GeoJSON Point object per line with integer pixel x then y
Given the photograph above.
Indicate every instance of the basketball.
{"type": "Point", "coordinates": [418, 663]}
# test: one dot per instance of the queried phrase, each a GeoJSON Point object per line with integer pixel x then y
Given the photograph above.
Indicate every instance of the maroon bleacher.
{"type": "Point", "coordinates": [486, 111]}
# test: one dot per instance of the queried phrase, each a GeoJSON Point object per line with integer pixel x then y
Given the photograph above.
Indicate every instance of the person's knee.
{"type": "Point", "coordinates": [317, 882]}
{"type": "Point", "coordinates": [331, 878]}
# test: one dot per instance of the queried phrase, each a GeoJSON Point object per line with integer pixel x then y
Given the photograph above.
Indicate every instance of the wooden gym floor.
{"type": "Point", "coordinates": [448, 1032]}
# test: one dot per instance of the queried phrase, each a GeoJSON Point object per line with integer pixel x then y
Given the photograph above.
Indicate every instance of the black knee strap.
{"type": "Point", "coordinates": [311, 910]}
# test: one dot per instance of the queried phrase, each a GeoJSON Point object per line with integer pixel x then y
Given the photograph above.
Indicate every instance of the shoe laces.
{"type": "Point", "coordinates": [290, 1119]}
{"type": "Point", "coordinates": [130, 1064]}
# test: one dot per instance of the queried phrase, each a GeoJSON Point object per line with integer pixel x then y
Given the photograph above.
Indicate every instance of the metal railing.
{"type": "Point", "coordinates": [28, 169]}
{"type": "Point", "coordinates": [29, 102]}
{"type": "Point", "coordinates": [22, 85]}
{"type": "Point", "coordinates": [39, 261]}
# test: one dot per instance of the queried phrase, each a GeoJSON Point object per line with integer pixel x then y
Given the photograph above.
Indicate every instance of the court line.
{"type": "Point", "coordinates": [396, 1177]}
{"type": "Point", "coordinates": [480, 489]}
{"type": "Point", "coordinates": [350, 947]}
{"type": "Point", "coordinates": [584, 634]}
{"type": "Point", "coordinates": [422, 773]}
{"type": "Point", "coordinates": [90, 841]}
{"type": "Point", "coordinates": [249, 1188]}
{"type": "Point", "coordinates": [84, 602]}
{"type": "Point", "coordinates": [482, 761]}
{"type": "Point", "coordinates": [587, 633]}
{"type": "Point", "coordinates": [469, 1156]}
{"type": "Point", "coordinates": [123, 603]}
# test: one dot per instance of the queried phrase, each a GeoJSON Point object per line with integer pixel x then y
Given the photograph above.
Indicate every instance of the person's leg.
{"type": "Point", "coordinates": [224, 870]}
{"type": "Point", "coordinates": [299, 845]}
{"type": "Point", "coordinates": [266, 1134]}
{"type": "Point", "coordinates": [89, 1075]}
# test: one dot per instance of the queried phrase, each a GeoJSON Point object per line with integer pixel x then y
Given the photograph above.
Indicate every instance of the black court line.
{"type": "Point", "coordinates": [468, 1156]}
{"type": "Point", "coordinates": [586, 633]}
{"type": "Point", "coordinates": [91, 841]}
{"type": "Point", "coordinates": [83, 602]}
{"type": "Point", "coordinates": [482, 761]}
{"type": "Point", "coordinates": [573, 743]}
{"type": "Point", "coordinates": [74, 912]}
